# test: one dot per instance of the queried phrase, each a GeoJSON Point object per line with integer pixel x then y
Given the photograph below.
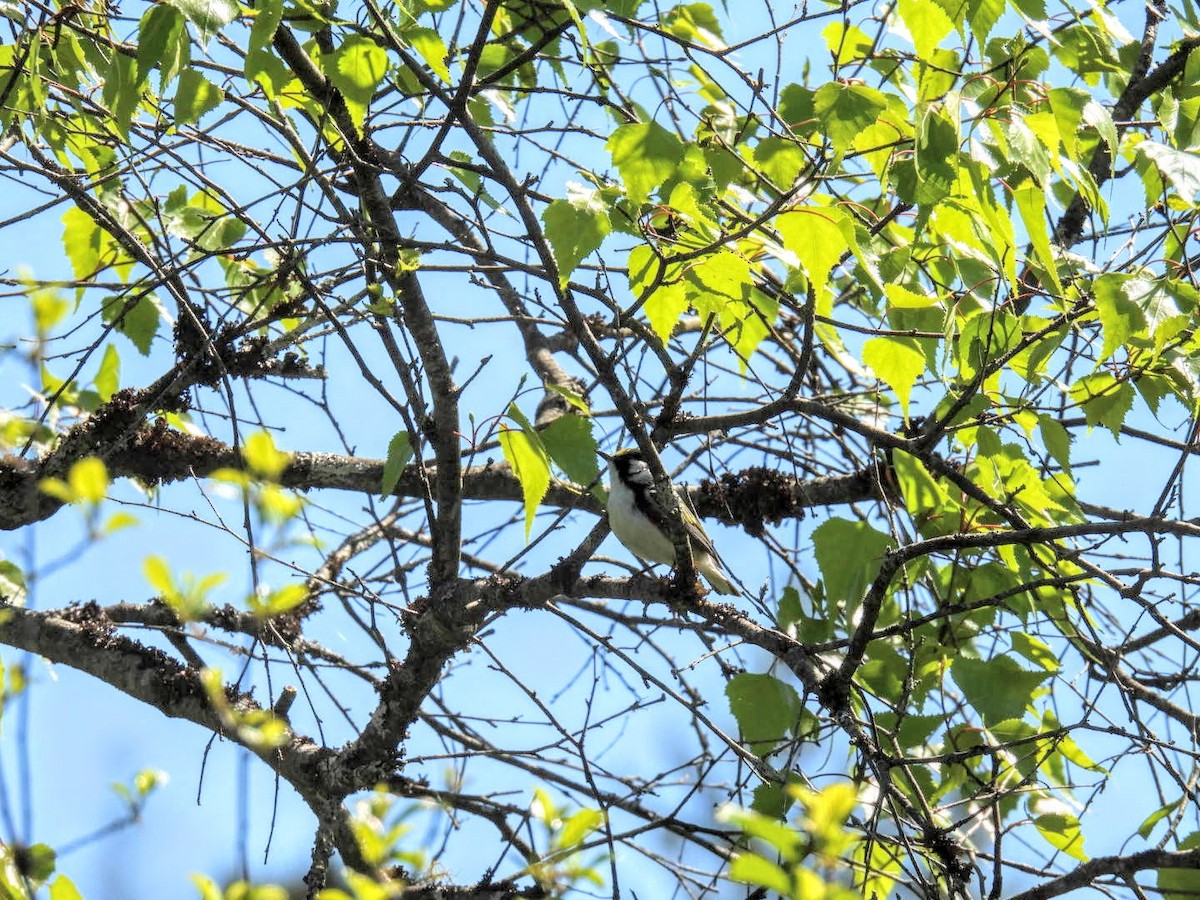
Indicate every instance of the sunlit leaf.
{"type": "Point", "coordinates": [898, 361]}
{"type": "Point", "coordinates": [646, 155]}
{"type": "Point", "coordinates": [530, 462]}
{"type": "Point", "coordinates": [997, 688]}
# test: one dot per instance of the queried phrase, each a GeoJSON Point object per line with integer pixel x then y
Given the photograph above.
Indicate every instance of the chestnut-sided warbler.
{"type": "Point", "coordinates": [639, 521]}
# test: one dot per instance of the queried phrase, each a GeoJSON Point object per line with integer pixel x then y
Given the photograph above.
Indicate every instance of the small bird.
{"type": "Point", "coordinates": [638, 520]}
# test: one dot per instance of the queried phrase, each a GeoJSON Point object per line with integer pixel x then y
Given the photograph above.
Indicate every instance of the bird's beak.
{"type": "Point", "coordinates": [605, 456]}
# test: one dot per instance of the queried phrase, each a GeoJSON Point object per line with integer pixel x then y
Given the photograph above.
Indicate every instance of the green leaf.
{"type": "Point", "coordinates": [530, 462]}
{"type": "Point", "coordinates": [765, 708]}
{"type": "Point", "coordinates": [267, 16]}
{"type": "Point", "coordinates": [160, 33]}
{"type": "Point", "coordinates": [927, 24]}
{"type": "Point", "coordinates": [88, 480]}
{"type": "Point", "coordinates": [1104, 400]}
{"type": "Point", "coordinates": [122, 91]}
{"type": "Point", "coordinates": [575, 227]}
{"type": "Point", "coordinates": [983, 16]}
{"type": "Point", "coordinates": [194, 97]}
{"type": "Point", "coordinates": [158, 573]}
{"type": "Point", "coordinates": [1181, 884]}
{"type": "Point", "coordinates": [137, 320]}
{"type": "Point", "coordinates": [209, 16]}
{"type": "Point", "coordinates": [13, 588]}
{"type": "Point", "coordinates": [429, 44]}
{"type": "Point", "coordinates": [1177, 168]}
{"type": "Point", "coordinates": [898, 361]}
{"type": "Point", "coordinates": [849, 555]}
{"type": "Point", "coordinates": [83, 241]}
{"type": "Point", "coordinates": [646, 155]}
{"type": "Point", "coordinates": [49, 308]}
{"type": "Point", "coordinates": [570, 443]}
{"type": "Point", "coordinates": [1031, 202]}
{"type": "Point", "coordinates": [997, 688]}
{"type": "Point", "coordinates": [1061, 831]}
{"type": "Point", "coordinates": [936, 160]}
{"type": "Point", "coordinates": [39, 862]}
{"type": "Point", "coordinates": [750, 868]}
{"type": "Point", "coordinates": [1119, 315]}
{"type": "Point", "coordinates": [356, 69]}
{"type": "Point", "coordinates": [780, 159]}
{"type": "Point", "coordinates": [846, 109]}
{"type": "Point", "coordinates": [1057, 440]}
{"type": "Point", "coordinates": [819, 236]}
{"type": "Point", "coordinates": [108, 377]}
{"type": "Point", "coordinates": [1035, 650]}
{"type": "Point", "coordinates": [400, 451]}
{"type": "Point", "coordinates": [930, 506]}
{"type": "Point", "coordinates": [1157, 816]}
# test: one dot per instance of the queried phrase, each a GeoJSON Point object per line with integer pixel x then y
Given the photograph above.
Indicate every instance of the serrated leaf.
{"type": "Point", "coordinates": [356, 69]}
{"type": "Point", "coordinates": [1104, 400]}
{"type": "Point", "coordinates": [209, 16]}
{"type": "Point", "coordinates": [646, 155]}
{"type": "Point", "coordinates": [765, 708]}
{"type": "Point", "coordinates": [158, 33]}
{"type": "Point", "coordinates": [572, 446]}
{"type": "Point", "coordinates": [1178, 168]}
{"type": "Point", "coordinates": [849, 555]}
{"type": "Point", "coordinates": [429, 44]}
{"type": "Point", "coordinates": [195, 95]}
{"type": "Point", "coordinates": [138, 320]}
{"type": "Point", "coordinates": [897, 361]}
{"type": "Point", "coordinates": [819, 236]}
{"type": "Point", "coordinates": [997, 688]}
{"type": "Point", "coordinates": [1119, 315]}
{"type": "Point", "coordinates": [927, 502]}
{"type": "Point", "coordinates": [844, 110]}
{"type": "Point", "coordinates": [927, 24]}
{"type": "Point", "coordinates": [82, 240]}
{"type": "Point", "coordinates": [575, 227]}
{"type": "Point", "coordinates": [527, 456]}
{"type": "Point", "coordinates": [1035, 650]}
{"type": "Point", "coordinates": [1031, 203]}
{"type": "Point", "coordinates": [267, 16]}
{"type": "Point", "coordinates": [1057, 440]}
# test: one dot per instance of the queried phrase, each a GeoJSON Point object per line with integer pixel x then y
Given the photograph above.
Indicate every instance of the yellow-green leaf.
{"type": "Point", "coordinates": [261, 455]}
{"type": "Point", "coordinates": [194, 96]}
{"type": "Point", "coordinates": [429, 44]}
{"type": "Point", "coordinates": [898, 361]}
{"type": "Point", "coordinates": [530, 462]}
{"type": "Point", "coordinates": [1031, 202]}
